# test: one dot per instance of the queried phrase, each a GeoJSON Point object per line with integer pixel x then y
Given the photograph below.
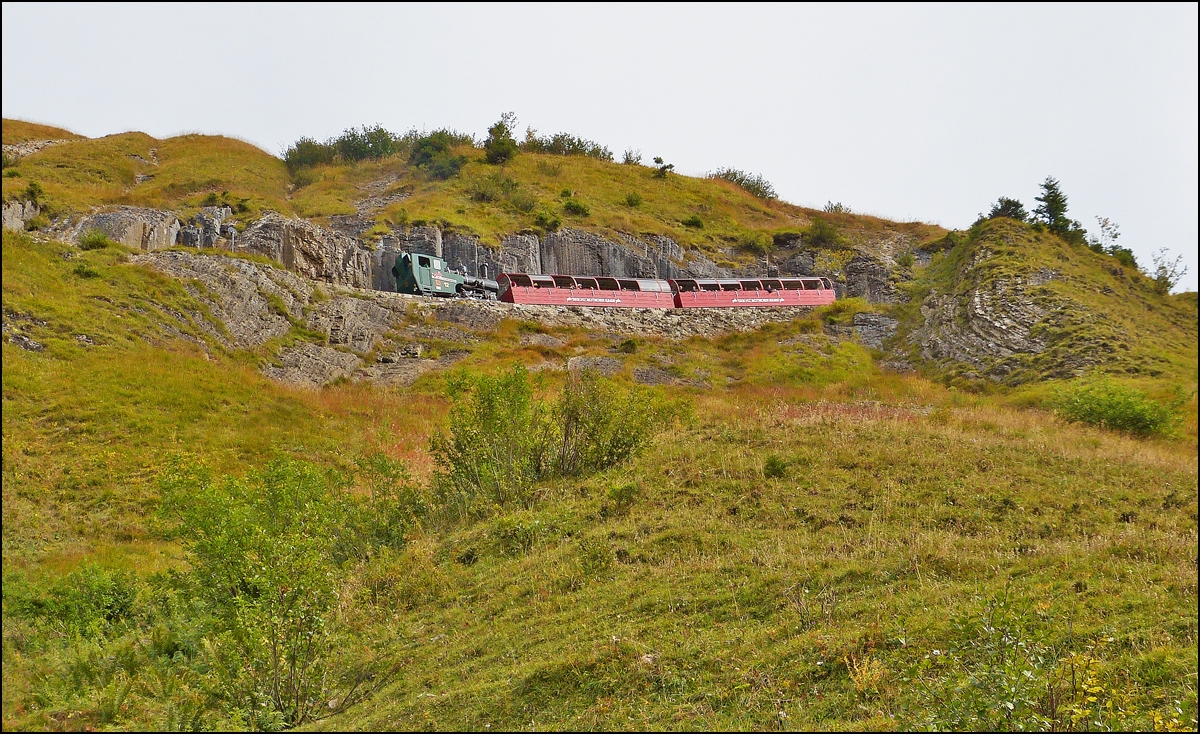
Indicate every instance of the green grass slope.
{"type": "Point", "coordinates": [821, 545]}
{"type": "Point", "coordinates": [712, 216]}
{"type": "Point", "coordinates": [1097, 313]}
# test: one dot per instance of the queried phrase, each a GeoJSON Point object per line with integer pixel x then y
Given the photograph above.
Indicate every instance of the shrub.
{"type": "Point", "coordinates": [629, 346]}
{"type": "Point", "coordinates": [83, 271]}
{"type": "Point", "coordinates": [261, 552]}
{"type": "Point", "coordinates": [661, 169]}
{"type": "Point", "coordinates": [774, 467]}
{"type": "Point", "coordinates": [755, 243]}
{"type": "Point", "coordinates": [547, 220]}
{"type": "Point", "coordinates": [432, 153]}
{"type": "Point", "coordinates": [523, 201]}
{"type": "Point", "coordinates": [906, 260]}
{"type": "Point", "coordinates": [491, 187]}
{"type": "Point", "coordinates": [821, 233]}
{"type": "Point", "coordinates": [632, 157]}
{"type": "Point", "coordinates": [564, 144]}
{"type": "Point", "coordinates": [33, 192]}
{"type": "Point", "coordinates": [502, 439]}
{"type": "Point", "coordinates": [366, 143]}
{"type": "Point", "coordinates": [94, 239]}
{"type": "Point", "coordinates": [1009, 208]}
{"type": "Point", "coordinates": [38, 222]}
{"type": "Point", "coordinates": [694, 222]}
{"type": "Point", "coordinates": [500, 146]}
{"type": "Point", "coordinates": [308, 152]}
{"type": "Point", "coordinates": [633, 199]}
{"type": "Point", "coordinates": [751, 182]}
{"type": "Point", "coordinates": [838, 208]}
{"type": "Point", "coordinates": [576, 207]}
{"type": "Point", "coordinates": [11, 173]}
{"type": "Point", "coordinates": [1108, 405]}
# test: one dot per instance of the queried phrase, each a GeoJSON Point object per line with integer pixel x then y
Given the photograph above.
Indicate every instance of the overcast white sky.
{"type": "Point", "coordinates": [925, 112]}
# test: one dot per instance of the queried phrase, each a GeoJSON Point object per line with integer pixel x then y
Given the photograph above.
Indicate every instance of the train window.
{"type": "Point", "coordinates": [608, 284]}
{"type": "Point", "coordinates": [684, 286]}
{"type": "Point", "coordinates": [730, 285]}
{"type": "Point", "coordinates": [520, 279]}
{"type": "Point", "coordinates": [709, 285]}
{"type": "Point", "coordinates": [563, 281]}
{"type": "Point", "coordinates": [586, 282]}
{"type": "Point", "coordinates": [653, 286]}
{"type": "Point", "coordinates": [423, 261]}
{"type": "Point", "coordinates": [751, 285]}
{"type": "Point", "coordinates": [542, 281]}
{"type": "Point", "coordinates": [811, 285]}
{"type": "Point", "coordinates": [826, 282]}
{"type": "Point", "coordinates": [792, 284]}
{"type": "Point", "coordinates": [629, 285]}
{"type": "Point", "coordinates": [772, 285]}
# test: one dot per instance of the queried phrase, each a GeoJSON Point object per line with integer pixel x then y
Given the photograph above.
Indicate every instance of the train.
{"type": "Point", "coordinates": [427, 275]}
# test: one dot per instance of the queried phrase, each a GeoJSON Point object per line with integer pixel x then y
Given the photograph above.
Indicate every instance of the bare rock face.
{"type": "Point", "coordinates": [869, 278]}
{"type": "Point", "coordinates": [874, 329]}
{"type": "Point", "coordinates": [312, 365]}
{"type": "Point", "coordinates": [17, 213]}
{"type": "Point", "coordinates": [244, 296]}
{"type": "Point", "coordinates": [999, 323]}
{"type": "Point", "coordinates": [310, 251]}
{"type": "Point", "coordinates": [142, 229]}
{"type": "Point", "coordinates": [351, 322]}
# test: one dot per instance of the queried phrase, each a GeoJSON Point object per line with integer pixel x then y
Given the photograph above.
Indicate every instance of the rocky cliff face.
{"type": "Point", "coordinates": [385, 337]}
{"type": "Point", "coordinates": [137, 227]}
{"type": "Point", "coordinates": [311, 251]}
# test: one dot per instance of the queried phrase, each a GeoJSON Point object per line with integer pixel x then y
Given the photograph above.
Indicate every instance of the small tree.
{"type": "Point", "coordinates": [1167, 272]}
{"type": "Point", "coordinates": [662, 169]}
{"type": "Point", "coordinates": [500, 146]}
{"type": "Point", "coordinates": [1110, 232]}
{"type": "Point", "coordinates": [1008, 208]}
{"type": "Point", "coordinates": [1052, 213]}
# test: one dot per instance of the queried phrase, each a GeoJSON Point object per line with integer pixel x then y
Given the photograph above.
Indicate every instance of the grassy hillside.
{"type": "Point", "coordinates": [806, 540]}
{"type": "Point", "coordinates": [813, 543]}
{"type": "Point", "coordinates": [20, 131]}
{"type": "Point", "coordinates": [533, 192]}
{"type": "Point", "coordinates": [1098, 311]}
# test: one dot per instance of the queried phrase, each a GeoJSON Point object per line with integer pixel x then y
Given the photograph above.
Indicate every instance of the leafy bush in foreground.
{"type": "Point", "coordinates": [502, 438]}
{"type": "Point", "coordinates": [1105, 404]}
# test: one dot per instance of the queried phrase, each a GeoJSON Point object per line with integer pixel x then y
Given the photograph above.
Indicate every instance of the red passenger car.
{"type": "Point", "coordinates": [567, 290]}
{"type": "Point", "coordinates": [604, 292]}
{"type": "Point", "coordinates": [742, 293]}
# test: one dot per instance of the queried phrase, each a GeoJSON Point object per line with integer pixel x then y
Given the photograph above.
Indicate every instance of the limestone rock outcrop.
{"type": "Point", "coordinates": [311, 251]}
{"type": "Point", "coordinates": [137, 227]}
{"type": "Point", "coordinates": [17, 213]}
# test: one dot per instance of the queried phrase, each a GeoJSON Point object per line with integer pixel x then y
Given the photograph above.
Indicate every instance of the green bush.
{"type": "Point", "coordinates": [633, 200]}
{"type": "Point", "coordinates": [308, 152]}
{"type": "Point", "coordinates": [502, 439]}
{"type": "Point", "coordinates": [755, 243]}
{"type": "Point", "coordinates": [432, 153]}
{"type": "Point", "coordinates": [564, 144]}
{"type": "Point", "coordinates": [694, 222]}
{"type": "Point", "coordinates": [491, 187]}
{"type": "Point", "coordinates": [1108, 405]}
{"type": "Point", "coordinates": [821, 233]}
{"type": "Point", "coordinates": [576, 207]}
{"type": "Point", "coordinates": [262, 552]}
{"type": "Point", "coordinates": [774, 467]}
{"type": "Point", "coordinates": [751, 182]}
{"type": "Point", "coordinates": [547, 220]}
{"type": "Point", "coordinates": [499, 148]}
{"type": "Point", "coordinates": [33, 192]}
{"type": "Point", "coordinates": [523, 201]}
